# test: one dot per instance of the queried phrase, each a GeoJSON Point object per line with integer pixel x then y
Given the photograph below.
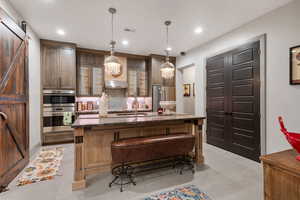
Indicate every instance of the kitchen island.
{"type": "Point", "coordinates": [94, 135]}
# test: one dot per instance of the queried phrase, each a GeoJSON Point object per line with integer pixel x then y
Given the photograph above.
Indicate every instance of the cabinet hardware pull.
{"type": "Point", "coordinates": [4, 115]}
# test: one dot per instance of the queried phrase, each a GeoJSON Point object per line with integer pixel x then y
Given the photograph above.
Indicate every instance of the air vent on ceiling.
{"type": "Point", "coordinates": [132, 30]}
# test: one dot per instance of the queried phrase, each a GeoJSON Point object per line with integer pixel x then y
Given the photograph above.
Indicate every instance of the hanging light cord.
{"type": "Point", "coordinates": [112, 26]}
{"type": "Point", "coordinates": [112, 42]}
{"type": "Point", "coordinates": [167, 51]}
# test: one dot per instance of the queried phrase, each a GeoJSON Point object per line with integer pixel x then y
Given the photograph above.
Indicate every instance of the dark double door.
{"type": "Point", "coordinates": [233, 101]}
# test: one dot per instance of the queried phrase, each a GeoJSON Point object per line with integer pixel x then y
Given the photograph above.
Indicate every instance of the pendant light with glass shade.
{"type": "Point", "coordinates": [167, 68]}
{"type": "Point", "coordinates": [112, 63]}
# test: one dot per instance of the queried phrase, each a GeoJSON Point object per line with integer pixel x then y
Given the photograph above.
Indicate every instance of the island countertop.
{"type": "Point", "coordinates": [115, 119]}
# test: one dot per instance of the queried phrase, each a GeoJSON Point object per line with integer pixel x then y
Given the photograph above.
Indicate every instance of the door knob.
{"type": "Point", "coordinates": [3, 115]}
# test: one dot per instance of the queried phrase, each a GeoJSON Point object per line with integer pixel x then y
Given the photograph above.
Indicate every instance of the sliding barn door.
{"type": "Point", "coordinates": [14, 140]}
{"type": "Point", "coordinates": [233, 101]}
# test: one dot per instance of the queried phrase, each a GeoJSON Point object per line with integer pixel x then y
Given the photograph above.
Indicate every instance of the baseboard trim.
{"type": "Point", "coordinates": [34, 149]}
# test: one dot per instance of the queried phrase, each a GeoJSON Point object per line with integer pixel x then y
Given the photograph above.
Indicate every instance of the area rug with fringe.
{"type": "Point", "coordinates": [190, 192]}
{"type": "Point", "coordinates": [44, 167]}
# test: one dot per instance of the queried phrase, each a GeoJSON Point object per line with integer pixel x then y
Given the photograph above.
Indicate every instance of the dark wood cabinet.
{"type": "Point", "coordinates": [58, 65]}
{"type": "Point", "coordinates": [67, 79]}
{"type": "Point", "coordinates": [90, 70]}
{"type": "Point", "coordinates": [50, 65]}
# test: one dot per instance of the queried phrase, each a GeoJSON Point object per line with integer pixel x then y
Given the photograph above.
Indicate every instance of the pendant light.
{"type": "Point", "coordinates": [167, 68]}
{"type": "Point", "coordinates": [112, 63]}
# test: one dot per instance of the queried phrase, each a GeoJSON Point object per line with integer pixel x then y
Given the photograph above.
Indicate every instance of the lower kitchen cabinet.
{"type": "Point", "coordinates": [58, 137]}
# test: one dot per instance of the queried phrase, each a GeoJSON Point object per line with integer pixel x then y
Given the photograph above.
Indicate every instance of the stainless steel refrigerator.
{"type": "Point", "coordinates": [162, 93]}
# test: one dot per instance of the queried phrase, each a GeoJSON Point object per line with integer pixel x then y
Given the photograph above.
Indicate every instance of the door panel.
{"type": "Point", "coordinates": [216, 101]}
{"type": "Point", "coordinates": [245, 86]}
{"type": "Point", "coordinates": [67, 79]}
{"type": "Point", "coordinates": [233, 91]}
{"type": "Point", "coordinates": [50, 64]}
{"type": "Point", "coordinates": [14, 135]}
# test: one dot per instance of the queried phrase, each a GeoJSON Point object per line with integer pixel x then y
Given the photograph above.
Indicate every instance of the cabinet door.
{"type": "Point", "coordinates": [97, 81]}
{"type": "Point", "coordinates": [132, 82]}
{"type": "Point", "coordinates": [156, 63]}
{"type": "Point", "coordinates": [50, 67]}
{"type": "Point", "coordinates": [67, 78]}
{"type": "Point", "coordinates": [142, 80]}
{"type": "Point", "coordinates": [156, 74]}
{"type": "Point", "coordinates": [84, 81]}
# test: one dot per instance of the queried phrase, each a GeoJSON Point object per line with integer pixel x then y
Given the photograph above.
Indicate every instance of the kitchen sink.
{"type": "Point", "coordinates": [132, 114]}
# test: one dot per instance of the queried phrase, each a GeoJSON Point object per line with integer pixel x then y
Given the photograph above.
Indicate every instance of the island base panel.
{"type": "Point", "coordinates": [93, 144]}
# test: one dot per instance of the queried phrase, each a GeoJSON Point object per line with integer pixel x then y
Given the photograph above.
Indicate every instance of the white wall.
{"type": "Point", "coordinates": [187, 76]}
{"type": "Point", "coordinates": [34, 77]}
{"type": "Point", "coordinates": [282, 27]}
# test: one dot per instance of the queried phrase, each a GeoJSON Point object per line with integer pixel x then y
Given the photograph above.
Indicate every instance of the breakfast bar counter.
{"type": "Point", "coordinates": [94, 135]}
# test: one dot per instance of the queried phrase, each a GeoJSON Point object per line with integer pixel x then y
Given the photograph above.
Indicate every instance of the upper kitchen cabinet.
{"type": "Point", "coordinates": [58, 65]}
{"type": "Point", "coordinates": [155, 64]}
{"type": "Point", "coordinates": [90, 71]}
{"type": "Point", "coordinates": [137, 77]}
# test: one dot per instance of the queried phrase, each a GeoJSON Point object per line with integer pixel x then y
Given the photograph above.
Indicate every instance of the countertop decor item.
{"type": "Point", "coordinates": [292, 138]}
{"type": "Point", "coordinates": [44, 167]}
{"type": "Point", "coordinates": [112, 63]}
{"type": "Point", "coordinates": [295, 65]}
{"type": "Point", "coordinates": [167, 68]}
{"type": "Point", "coordinates": [190, 192]}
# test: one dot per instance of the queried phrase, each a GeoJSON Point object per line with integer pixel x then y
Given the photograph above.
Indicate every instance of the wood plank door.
{"type": "Point", "coordinates": [14, 135]}
{"type": "Point", "coordinates": [233, 101]}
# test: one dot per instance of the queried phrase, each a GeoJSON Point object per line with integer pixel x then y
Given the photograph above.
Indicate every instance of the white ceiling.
{"type": "Point", "coordinates": [87, 22]}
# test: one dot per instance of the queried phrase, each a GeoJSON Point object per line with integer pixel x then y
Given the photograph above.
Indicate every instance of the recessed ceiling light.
{"type": "Point", "coordinates": [169, 49]}
{"type": "Point", "coordinates": [125, 42]}
{"type": "Point", "coordinates": [198, 30]}
{"type": "Point", "coordinates": [60, 32]}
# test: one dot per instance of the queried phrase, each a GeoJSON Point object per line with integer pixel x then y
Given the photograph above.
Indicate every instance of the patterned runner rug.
{"type": "Point", "coordinates": [190, 192]}
{"type": "Point", "coordinates": [44, 167]}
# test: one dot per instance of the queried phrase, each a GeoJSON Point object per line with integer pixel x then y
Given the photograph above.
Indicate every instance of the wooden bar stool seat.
{"type": "Point", "coordinates": [136, 150]}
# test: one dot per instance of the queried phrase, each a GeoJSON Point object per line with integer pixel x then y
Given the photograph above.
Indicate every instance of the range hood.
{"type": "Point", "coordinates": [115, 84]}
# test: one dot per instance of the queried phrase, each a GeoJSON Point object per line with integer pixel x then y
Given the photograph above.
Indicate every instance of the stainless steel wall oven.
{"type": "Point", "coordinates": [55, 104]}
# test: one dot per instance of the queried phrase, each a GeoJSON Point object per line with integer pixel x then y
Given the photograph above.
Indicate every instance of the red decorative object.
{"type": "Point", "coordinates": [160, 111]}
{"type": "Point", "coordinates": [292, 138]}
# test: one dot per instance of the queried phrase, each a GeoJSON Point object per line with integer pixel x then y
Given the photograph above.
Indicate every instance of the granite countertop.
{"type": "Point", "coordinates": [123, 119]}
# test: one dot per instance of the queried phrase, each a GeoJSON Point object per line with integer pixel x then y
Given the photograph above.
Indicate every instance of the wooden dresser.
{"type": "Point", "coordinates": [281, 176]}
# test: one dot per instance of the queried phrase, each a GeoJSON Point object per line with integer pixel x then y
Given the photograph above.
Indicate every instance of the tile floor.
{"type": "Point", "coordinates": [225, 176]}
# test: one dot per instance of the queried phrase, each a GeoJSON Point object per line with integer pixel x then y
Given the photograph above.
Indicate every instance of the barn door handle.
{"type": "Point", "coordinates": [3, 115]}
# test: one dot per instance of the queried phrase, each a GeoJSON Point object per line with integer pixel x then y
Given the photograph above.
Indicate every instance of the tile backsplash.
{"type": "Point", "coordinates": [115, 102]}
